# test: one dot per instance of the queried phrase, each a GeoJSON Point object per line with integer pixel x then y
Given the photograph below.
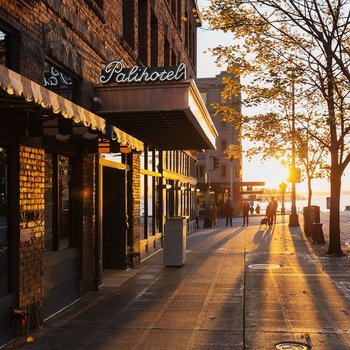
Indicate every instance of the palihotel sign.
{"type": "Point", "coordinates": [114, 72]}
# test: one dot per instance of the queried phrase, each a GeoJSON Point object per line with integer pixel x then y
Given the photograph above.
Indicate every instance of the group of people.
{"type": "Point", "coordinates": [271, 211]}
{"type": "Point", "coordinates": [228, 211]}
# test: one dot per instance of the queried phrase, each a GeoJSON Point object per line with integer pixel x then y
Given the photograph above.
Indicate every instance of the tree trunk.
{"type": "Point", "coordinates": [334, 216]}
{"type": "Point", "coordinates": [336, 172]}
{"type": "Point", "coordinates": [309, 191]}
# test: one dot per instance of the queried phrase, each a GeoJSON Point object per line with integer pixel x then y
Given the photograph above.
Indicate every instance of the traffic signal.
{"type": "Point", "coordinates": [216, 163]}
{"type": "Point", "coordinates": [294, 175]}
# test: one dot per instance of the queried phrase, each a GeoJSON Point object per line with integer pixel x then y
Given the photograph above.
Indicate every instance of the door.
{"type": "Point", "coordinates": [114, 234]}
{"type": "Point", "coordinates": [62, 218]}
{"type": "Point", "coordinates": [7, 251]}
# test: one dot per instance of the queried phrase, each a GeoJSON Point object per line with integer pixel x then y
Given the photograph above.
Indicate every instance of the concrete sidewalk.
{"type": "Point", "coordinates": [240, 288]}
{"type": "Point", "coordinates": [344, 229]}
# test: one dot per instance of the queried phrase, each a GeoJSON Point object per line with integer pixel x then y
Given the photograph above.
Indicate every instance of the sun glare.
{"type": "Point", "coordinates": [272, 172]}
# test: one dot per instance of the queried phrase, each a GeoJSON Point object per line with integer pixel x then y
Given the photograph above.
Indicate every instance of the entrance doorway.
{"type": "Point", "coordinates": [7, 251]}
{"type": "Point", "coordinates": [114, 236]}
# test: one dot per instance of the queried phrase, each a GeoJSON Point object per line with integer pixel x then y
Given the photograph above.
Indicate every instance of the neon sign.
{"type": "Point", "coordinates": [114, 72]}
{"type": "Point", "coordinates": [55, 78]}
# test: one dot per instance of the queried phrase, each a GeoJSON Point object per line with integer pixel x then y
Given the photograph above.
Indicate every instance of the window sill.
{"type": "Point", "coordinates": [96, 9]}
{"type": "Point", "coordinates": [29, 3]}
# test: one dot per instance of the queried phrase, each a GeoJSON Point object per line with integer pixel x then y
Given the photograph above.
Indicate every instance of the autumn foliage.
{"type": "Point", "coordinates": [280, 44]}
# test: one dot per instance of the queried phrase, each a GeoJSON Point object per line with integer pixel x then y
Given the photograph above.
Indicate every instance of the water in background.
{"type": "Point", "coordinates": [317, 199]}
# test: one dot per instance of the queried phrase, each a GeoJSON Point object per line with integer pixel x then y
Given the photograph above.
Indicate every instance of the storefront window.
{"type": "Point", "coordinates": [185, 201]}
{"type": "Point", "coordinates": [150, 161]}
{"type": "Point", "coordinates": [60, 82]}
{"type": "Point", "coordinates": [143, 161]}
{"type": "Point", "coordinates": [150, 196]}
{"type": "Point", "coordinates": [142, 207]}
{"type": "Point", "coordinates": [158, 189]}
{"type": "Point", "coordinates": [64, 180]}
{"type": "Point", "coordinates": [2, 48]}
{"type": "Point", "coordinates": [4, 253]}
{"type": "Point", "coordinates": [58, 228]}
{"type": "Point", "coordinates": [9, 39]}
{"type": "Point", "coordinates": [170, 199]}
{"type": "Point", "coordinates": [180, 194]}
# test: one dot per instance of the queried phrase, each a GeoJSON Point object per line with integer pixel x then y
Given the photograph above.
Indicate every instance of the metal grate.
{"type": "Point", "coordinates": [264, 266]}
{"type": "Point", "coordinates": [291, 345]}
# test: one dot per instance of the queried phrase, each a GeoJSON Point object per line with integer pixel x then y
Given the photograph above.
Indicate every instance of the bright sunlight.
{"type": "Point", "coordinates": [271, 171]}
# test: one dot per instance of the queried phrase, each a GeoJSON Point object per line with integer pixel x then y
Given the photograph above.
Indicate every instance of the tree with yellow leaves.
{"type": "Point", "coordinates": [281, 43]}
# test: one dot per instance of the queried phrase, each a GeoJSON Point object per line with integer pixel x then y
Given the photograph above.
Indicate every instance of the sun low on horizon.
{"type": "Point", "coordinates": [271, 171]}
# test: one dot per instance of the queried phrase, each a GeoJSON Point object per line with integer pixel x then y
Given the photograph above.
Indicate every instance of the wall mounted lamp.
{"type": "Point", "coordinates": [124, 148]}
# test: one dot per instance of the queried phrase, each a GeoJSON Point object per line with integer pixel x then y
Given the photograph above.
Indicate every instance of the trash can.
{"type": "Point", "coordinates": [311, 215]}
{"type": "Point", "coordinates": [174, 246]}
{"type": "Point", "coordinates": [317, 233]}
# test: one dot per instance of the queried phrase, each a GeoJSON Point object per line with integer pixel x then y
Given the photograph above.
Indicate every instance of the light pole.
{"type": "Point", "coordinates": [293, 217]}
{"type": "Point", "coordinates": [283, 187]}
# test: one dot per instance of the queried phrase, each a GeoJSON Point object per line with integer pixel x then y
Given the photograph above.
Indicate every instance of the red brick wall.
{"type": "Point", "coordinates": [32, 180]}
{"type": "Point", "coordinates": [70, 33]}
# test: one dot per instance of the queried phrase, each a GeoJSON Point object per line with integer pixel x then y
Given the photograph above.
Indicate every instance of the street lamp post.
{"type": "Point", "coordinates": [293, 217]}
{"type": "Point", "coordinates": [283, 187]}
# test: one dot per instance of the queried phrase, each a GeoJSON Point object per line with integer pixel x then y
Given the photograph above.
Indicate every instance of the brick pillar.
{"type": "Point", "coordinates": [31, 206]}
{"type": "Point", "coordinates": [134, 208]}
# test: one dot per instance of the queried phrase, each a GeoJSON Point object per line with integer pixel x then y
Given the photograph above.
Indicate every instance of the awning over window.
{"type": "Point", "coordinates": [15, 84]}
{"type": "Point", "coordinates": [167, 115]}
{"type": "Point", "coordinates": [124, 138]}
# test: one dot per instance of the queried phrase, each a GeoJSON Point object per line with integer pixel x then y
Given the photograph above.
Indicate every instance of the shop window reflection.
{"type": "Point", "coordinates": [142, 207]}
{"type": "Point", "coordinates": [157, 218]}
{"type": "Point", "coordinates": [4, 253]}
{"type": "Point", "coordinates": [3, 48]}
{"type": "Point", "coordinates": [60, 82]}
{"type": "Point", "coordinates": [58, 229]}
{"type": "Point", "coordinates": [64, 173]}
{"type": "Point", "coordinates": [150, 196]}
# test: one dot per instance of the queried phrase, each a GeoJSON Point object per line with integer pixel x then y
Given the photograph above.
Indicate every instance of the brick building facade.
{"type": "Point", "coordinates": [71, 202]}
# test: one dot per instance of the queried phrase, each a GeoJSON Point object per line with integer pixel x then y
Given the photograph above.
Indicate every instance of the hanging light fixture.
{"type": "Point", "coordinates": [124, 148]}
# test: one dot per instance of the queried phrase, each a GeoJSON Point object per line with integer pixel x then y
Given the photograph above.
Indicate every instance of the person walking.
{"type": "Point", "coordinates": [245, 210]}
{"type": "Point", "coordinates": [274, 209]}
{"type": "Point", "coordinates": [197, 217]}
{"type": "Point", "coordinates": [257, 209]}
{"type": "Point", "coordinates": [213, 214]}
{"type": "Point", "coordinates": [270, 213]}
{"type": "Point", "coordinates": [228, 210]}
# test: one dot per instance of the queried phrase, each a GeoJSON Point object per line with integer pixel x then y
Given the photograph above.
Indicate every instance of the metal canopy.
{"type": "Point", "coordinates": [171, 116]}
